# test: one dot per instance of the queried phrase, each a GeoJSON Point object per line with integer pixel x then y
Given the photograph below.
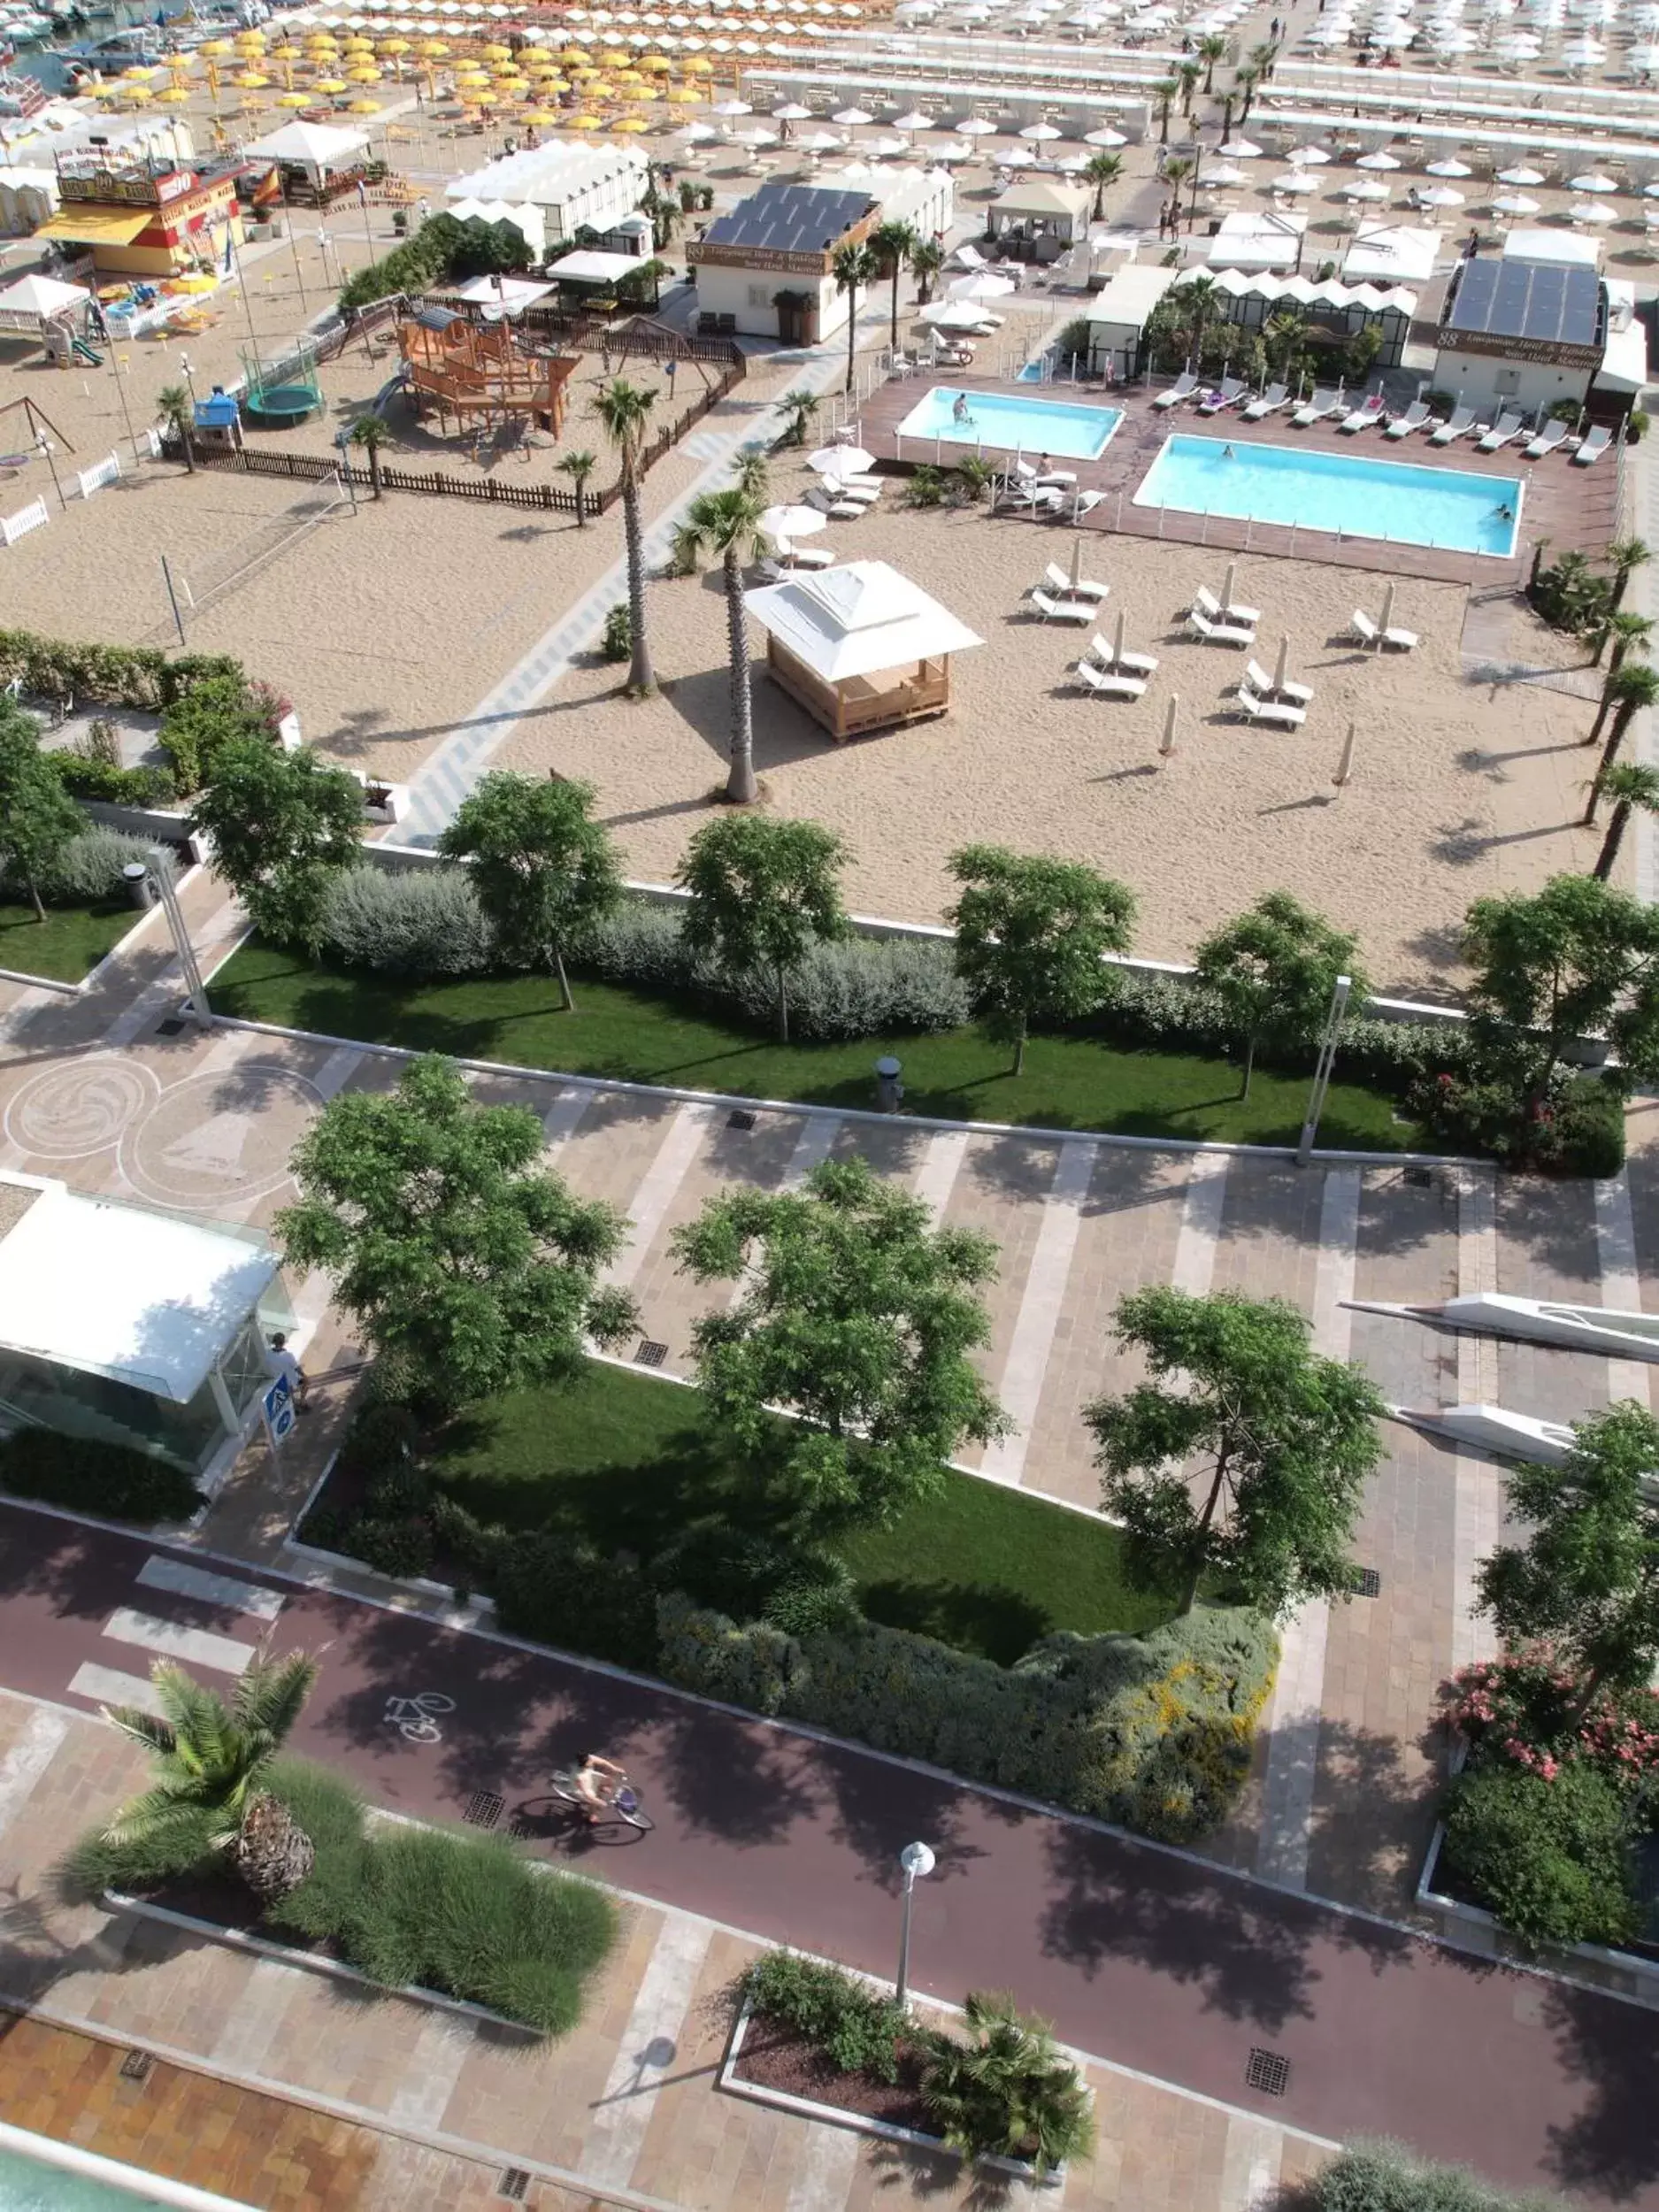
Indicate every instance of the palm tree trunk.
{"type": "Point", "coordinates": [1164, 124]}
{"type": "Point", "coordinates": [1100, 202]}
{"type": "Point", "coordinates": [374, 471]}
{"type": "Point", "coordinates": [1610, 844]}
{"type": "Point", "coordinates": [641, 675]}
{"type": "Point", "coordinates": [189, 444]}
{"type": "Point", "coordinates": [1617, 661]}
{"type": "Point", "coordinates": [1621, 577]}
{"type": "Point", "coordinates": [741, 790]}
{"type": "Point", "coordinates": [1601, 712]}
{"type": "Point", "coordinates": [581, 505]}
{"type": "Point", "coordinates": [564, 982]}
{"type": "Point", "coordinates": [852, 333]}
{"type": "Point", "coordinates": [1610, 753]}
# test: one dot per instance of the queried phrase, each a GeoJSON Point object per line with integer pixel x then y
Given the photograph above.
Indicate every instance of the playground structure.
{"type": "Point", "coordinates": [281, 395]}
{"type": "Point", "coordinates": [481, 375]}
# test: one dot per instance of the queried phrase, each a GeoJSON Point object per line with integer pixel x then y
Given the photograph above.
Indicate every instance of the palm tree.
{"type": "Point", "coordinates": [1283, 337]}
{"type": "Point", "coordinates": [1246, 79]}
{"type": "Point", "coordinates": [1188, 72]}
{"type": "Point", "coordinates": [369, 432]}
{"type": "Point", "coordinates": [1229, 101]}
{"type": "Point", "coordinates": [623, 409]}
{"type": "Point", "coordinates": [1211, 49]}
{"type": "Point", "coordinates": [800, 406]}
{"type": "Point", "coordinates": [1629, 634]}
{"type": "Point", "coordinates": [1632, 689]}
{"type": "Point", "coordinates": [854, 266]}
{"type": "Point", "coordinates": [927, 258]}
{"type": "Point", "coordinates": [1628, 786]}
{"type": "Point", "coordinates": [178, 412]}
{"type": "Point", "coordinates": [1624, 557]}
{"type": "Point", "coordinates": [1175, 175]}
{"type": "Point", "coordinates": [1163, 92]}
{"type": "Point", "coordinates": [891, 244]}
{"type": "Point", "coordinates": [1613, 692]}
{"type": "Point", "coordinates": [579, 465]}
{"type": "Point", "coordinates": [1103, 169]}
{"type": "Point", "coordinates": [212, 1761]}
{"type": "Point", "coordinates": [751, 476]}
{"type": "Point", "coordinates": [1008, 2090]}
{"type": "Point", "coordinates": [728, 523]}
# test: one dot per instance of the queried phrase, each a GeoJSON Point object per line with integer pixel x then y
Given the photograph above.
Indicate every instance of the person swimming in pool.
{"type": "Point", "coordinates": [1506, 514]}
{"type": "Point", "coordinates": [959, 408]}
{"type": "Point", "coordinates": [1227, 453]}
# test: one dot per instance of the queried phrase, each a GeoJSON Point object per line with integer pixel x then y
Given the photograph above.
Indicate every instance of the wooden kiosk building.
{"type": "Point", "coordinates": [860, 647]}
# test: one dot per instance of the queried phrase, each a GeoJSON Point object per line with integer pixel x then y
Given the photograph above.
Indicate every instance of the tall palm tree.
{"type": "Point", "coordinates": [579, 465]}
{"type": "Point", "coordinates": [800, 406]}
{"type": "Point", "coordinates": [1632, 688]}
{"type": "Point", "coordinates": [927, 258]}
{"type": "Point", "coordinates": [1624, 557]}
{"type": "Point", "coordinates": [1188, 72]}
{"type": "Point", "coordinates": [728, 523]}
{"type": "Point", "coordinates": [1163, 92]}
{"type": "Point", "coordinates": [856, 268]}
{"type": "Point", "coordinates": [1102, 170]}
{"type": "Point", "coordinates": [369, 432]}
{"type": "Point", "coordinates": [891, 244]}
{"type": "Point", "coordinates": [1628, 633]}
{"type": "Point", "coordinates": [178, 412]}
{"type": "Point", "coordinates": [1616, 684]}
{"type": "Point", "coordinates": [1245, 78]}
{"type": "Point", "coordinates": [1175, 175]}
{"type": "Point", "coordinates": [1628, 785]}
{"type": "Point", "coordinates": [1229, 101]}
{"type": "Point", "coordinates": [211, 1763]}
{"type": "Point", "coordinates": [1212, 49]}
{"type": "Point", "coordinates": [623, 407]}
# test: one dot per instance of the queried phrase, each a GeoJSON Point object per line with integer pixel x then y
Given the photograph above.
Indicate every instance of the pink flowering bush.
{"type": "Point", "coordinates": [1521, 1710]}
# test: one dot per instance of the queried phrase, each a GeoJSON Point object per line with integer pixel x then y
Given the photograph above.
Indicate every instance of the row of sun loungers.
{"type": "Point", "coordinates": [1327, 401]}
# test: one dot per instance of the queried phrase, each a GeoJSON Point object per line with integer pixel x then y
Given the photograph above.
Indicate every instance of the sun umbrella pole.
{"type": "Point", "coordinates": [1345, 767]}
{"type": "Point", "coordinates": [1167, 744]}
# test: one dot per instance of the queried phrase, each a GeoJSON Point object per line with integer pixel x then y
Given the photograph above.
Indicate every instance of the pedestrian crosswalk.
{"type": "Point", "coordinates": [168, 1624]}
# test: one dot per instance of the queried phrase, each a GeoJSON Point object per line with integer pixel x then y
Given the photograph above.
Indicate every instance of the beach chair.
{"type": "Point", "coordinates": [1365, 630]}
{"type": "Point", "coordinates": [811, 557]}
{"type": "Point", "coordinates": [1061, 610]}
{"type": "Point", "coordinates": [1368, 412]}
{"type": "Point", "coordinates": [1184, 385]}
{"type": "Point", "coordinates": [1325, 402]}
{"type": "Point", "coordinates": [1298, 695]}
{"type": "Point", "coordinates": [1413, 418]}
{"type": "Point", "coordinates": [1592, 446]}
{"type": "Point", "coordinates": [1085, 504]}
{"type": "Point", "coordinates": [1457, 422]}
{"type": "Point", "coordinates": [1038, 478]}
{"type": "Point", "coordinates": [1084, 586]}
{"type": "Point", "coordinates": [1106, 685]}
{"type": "Point", "coordinates": [1508, 426]}
{"type": "Point", "coordinates": [1271, 399]}
{"type": "Point", "coordinates": [852, 487]}
{"type": "Point", "coordinates": [1230, 392]}
{"type": "Point", "coordinates": [839, 510]}
{"type": "Point", "coordinates": [1220, 632]}
{"type": "Point", "coordinates": [1256, 710]}
{"type": "Point", "coordinates": [1207, 604]}
{"type": "Point", "coordinates": [1548, 438]}
{"type": "Point", "coordinates": [1135, 663]}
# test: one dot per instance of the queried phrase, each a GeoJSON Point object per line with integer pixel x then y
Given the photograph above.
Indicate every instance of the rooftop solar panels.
{"type": "Point", "coordinates": [789, 218]}
{"type": "Point", "coordinates": [1540, 301]}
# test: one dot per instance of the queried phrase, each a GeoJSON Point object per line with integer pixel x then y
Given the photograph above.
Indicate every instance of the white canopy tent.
{"type": "Point", "coordinates": [589, 266]}
{"type": "Point", "coordinates": [829, 635]}
{"type": "Point", "coordinates": [35, 300]}
{"type": "Point", "coordinates": [314, 147]}
{"type": "Point", "coordinates": [500, 295]}
{"type": "Point", "coordinates": [527, 218]}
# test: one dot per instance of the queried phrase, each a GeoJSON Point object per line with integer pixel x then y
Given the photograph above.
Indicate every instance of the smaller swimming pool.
{"type": "Point", "coordinates": [1001, 423]}
{"type": "Point", "coordinates": [1455, 510]}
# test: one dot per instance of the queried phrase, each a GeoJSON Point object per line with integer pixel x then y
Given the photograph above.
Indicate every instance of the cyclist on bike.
{"type": "Point", "coordinates": [596, 1781]}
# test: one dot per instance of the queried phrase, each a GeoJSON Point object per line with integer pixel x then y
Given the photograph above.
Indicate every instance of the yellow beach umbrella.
{"type": "Point", "coordinates": [175, 96]}
{"type": "Point", "coordinates": [585, 123]}
{"type": "Point", "coordinates": [294, 100]}
{"type": "Point", "coordinates": [330, 84]}
{"type": "Point", "coordinates": [395, 46]}
{"type": "Point", "coordinates": [433, 48]}
{"type": "Point", "coordinates": [657, 65]}
{"type": "Point", "coordinates": [250, 81]}
{"type": "Point", "coordinates": [683, 96]}
{"type": "Point", "coordinates": [136, 95]}
{"type": "Point", "coordinates": [364, 76]}
{"type": "Point", "coordinates": [140, 74]}
{"type": "Point", "coordinates": [697, 67]}
{"type": "Point", "coordinates": [593, 90]}
{"type": "Point", "coordinates": [495, 52]}
{"type": "Point", "coordinates": [472, 74]}
{"type": "Point", "coordinates": [217, 49]}
{"type": "Point", "coordinates": [573, 57]}
{"type": "Point", "coordinates": [542, 119]}
{"type": "Point", "coordinates": [630, 123]}
{"type": "Point", "coordinates": [613, 57]}
{"type": "Point", "coordinates": [365, 107]}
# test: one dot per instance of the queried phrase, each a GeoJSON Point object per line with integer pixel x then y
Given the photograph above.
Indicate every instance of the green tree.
{"type": "Point", "coordinates": [1031, 935]}
{"type": "Point", "coordinates": [1630, 688]}
{"type": "Point", "coordinates": [1628, 786]}
{"type": "Point", "coordinates": [891, 245]}
{"type": "Point", "coordinates": [1245, 78]}
{"type": "Point", "coordinates": [1550, 1858]}
{"type": "Point", "coordinates": [800, 406]}
{"type": "Point", "coordinates": [763, 894]}
{"type": "Point", "coordinates": [1626, 633]}
{"type": "Point", "coordinates": [1274, 969]}
{"type": "Point", "coordinates": [579, 465]}
{"type": "Point", "coordinates": [215, 711]}
{"type": "Point", "coordinates": [211, 1763]}
{"type": "Point", "coordinates": [856, 269]}
{"type": "Point", "coordinates": [37, 816]}
{"type": "Point", "coordinates": [544, 870]}
{"type": "Point", "coordinates": [469, 1267]}
{"type": "Point", "coordinates": [1284, 336]}
{"type": "Point", "coordinates": [1163, 92]}
{"type": "Point", "coordinates": [1587, 1579]}
{"type": "Point", "coordinates": [1574, 959]}
{"type": "Point", "coordinates": [282, 826]}
{"type": "Point", "coordinates": [1103, 171]}
{"type": "Point", "coordinates": [1212, 49]}
{"type": "Point", "coordinates": [1007, 2091]}
{"type": "Point", "coordinates": [859, 1316]}
{"type": "Point", "coordinates": [624, 410]}
{"type": "Point", "coordinates": [177, 410]}
{"type": "Point", "coordinates": [1176, 173]}
{"type": "Point", "coordinates": [728, 524]}
{"type": "Point", "coordinates": [1289, 1438]}
{"type": "Point", "coordinates": [369, 432]}
{"type": "Point", "coordinates": [1188, 73]}
{"type": "Point", "coordinates": [927, 258]}
{"type": "Point", "coordinates": [1624, 557]}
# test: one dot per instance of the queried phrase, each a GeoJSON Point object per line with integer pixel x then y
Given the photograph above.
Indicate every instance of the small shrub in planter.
{"type": "Point", "coordinates": [88, 1477]}
{"type": "Point", "coordinates": [617, 643]}
{"type": "Point", "coordinates": [1548, 1855]}
{"type": "Point", "coordinates": [392, 1544]}
{"type": "Point", "coordinates": [855, 2027]}
{"type": "Point", "coordinates": [927, 486]}
{"type": "Point", "coordinates": [1006, 2090]}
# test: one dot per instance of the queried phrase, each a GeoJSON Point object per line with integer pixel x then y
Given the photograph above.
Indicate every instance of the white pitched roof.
{"type": "Point", "coordinates": [857, 619]}
{"type": "Point", "coordinates": [315, 142]}
{"type": "Point", "coordinates": [41, 295]}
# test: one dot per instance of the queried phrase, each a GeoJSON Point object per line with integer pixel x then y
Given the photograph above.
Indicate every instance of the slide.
{"type": "Point", "coordinates": [387, 393]}
{"type": "Point", "coordinates": [82, 351]}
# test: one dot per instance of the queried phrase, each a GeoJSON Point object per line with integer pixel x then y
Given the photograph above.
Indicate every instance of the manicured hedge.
{"type": "Point", "coordinates": [103, 1480]}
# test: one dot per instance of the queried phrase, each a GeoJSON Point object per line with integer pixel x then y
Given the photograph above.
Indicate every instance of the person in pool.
{"type": "Point", "coordinates": [1506, 514]}
{"type": "Point", "coordinates": [1227, 453]}
{"type": "Point", "coordinates": [959, 408]}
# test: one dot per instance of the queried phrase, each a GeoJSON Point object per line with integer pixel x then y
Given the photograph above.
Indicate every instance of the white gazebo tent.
{"type": "Point", "coordinates": [27, 306]}
{"type": "Point", "coordinates": [314, 148]}
{"type": "Point", "coordinates": [860, 647]}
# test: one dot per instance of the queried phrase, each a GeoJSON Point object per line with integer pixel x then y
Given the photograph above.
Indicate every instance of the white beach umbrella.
{"type": "Point", "coordinates": [1242, 150]}
{"type": "Point", "coordinates": [849, 118]}
{"type": "Point", "coordinates": [1521, 175]}
{"type": "Point", "coordinates": [1591, 211]}
{"type": "Point", "coordinates": [885, 149]}
{"type": "Point", "coordinates": [792, 111]}
{"type": "Point", "coordinates": [1366, 190]}
{"type": "Point", "coordinates": [1441, 195]}
{"type": "Point", "coordinates": [1376, 161]}
{"type": "Point", "coordinates": [1040, 134]}
{"type": "Point", "coordinates": [791, 522]}
{"type": "Point", "coordinates": [1222, 176]}
{"type": "Point", "coordinates": [1309, 157]}
{"type": "Point", "coordinates": [1449, 168]}
{"type": "Point", "coordinates": [953, 315]}
{"type": "Point", "coordinates": [820, 142]}
{"type": "Point", "coordinates": [972, 127]}
{"type": "Point", "coordinates": [1295, 182]}
{"type": "Point", "coordinates": [1516, 203]}
{"type": "Point", "coordinates": [913, 119]}
{"type": "Point", "coordinates": [985, 286]}
{"type": "Point", "coordinates": [732, 107]}
{"type": "Point", "coordinates": [1595, 181]}
{"type": "Point", "coordinates": [840, 460]}
{"type": "Point", "coordinates": [1105, 138]}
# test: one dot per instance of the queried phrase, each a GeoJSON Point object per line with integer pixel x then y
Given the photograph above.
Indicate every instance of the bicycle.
{"type": "Point", "coordinates": [623, 1805]}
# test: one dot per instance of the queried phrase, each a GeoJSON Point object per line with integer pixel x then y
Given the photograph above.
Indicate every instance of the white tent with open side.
{"type": "Point", "coordinates": [828, 636]}
{"type": "Point", "coordinates": [316, 147]}
{"type": "Point", "coordinates": [35, 300]}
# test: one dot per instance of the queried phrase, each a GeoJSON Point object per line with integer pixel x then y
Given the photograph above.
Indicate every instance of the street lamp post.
{"type": "Point", "coordinates": [917, 1862]}
{"type": "Point", "coordinates": [1322, 1072]}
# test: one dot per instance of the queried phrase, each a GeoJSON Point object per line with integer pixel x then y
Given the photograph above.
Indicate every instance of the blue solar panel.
{"type": "Point", "coordinates": [790, 219]}
{"type": "Point", "coordinates": [1557, 304]}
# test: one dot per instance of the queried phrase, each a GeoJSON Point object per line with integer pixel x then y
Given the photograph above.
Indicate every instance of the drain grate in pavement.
{"type": "Point", "coordinates": [742, 1119]}
{"type": "Point", "coordinates": [514, 2184]}
{"type": "Point", "coordinates": [1268, 2072]}
{"type": "Point", "coordinates": [650, 1354]}
{"type": "Point", "coordinates": [171, 1028]}
{"type": "Point", "coordinates": [483, 1808]}
{"type": "Point", "coordinates": [1367, 1583]}
{"type": "Point", "coordinates": [136, 2065]}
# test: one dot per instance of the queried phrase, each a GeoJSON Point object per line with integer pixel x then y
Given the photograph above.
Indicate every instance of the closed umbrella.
{"type": "Point", "coordinates": [1167, 743]}
{"type": "Point", "coordinates": [840, 460]}
{"type": "Point", "coordinates": [1388, 608]}
{"type": "Point", "coordinates": [1117, 635]}
{"type": "Point", "coordinates": [1345, 767]}
{"type": "Point", "coordinates": [791, 522]}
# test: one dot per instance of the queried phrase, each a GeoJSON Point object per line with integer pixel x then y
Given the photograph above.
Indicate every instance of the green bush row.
{"type": "Point", "coordinates": [136, 676]}
{"type": "Point", "coordinates": [85, 1476]}
{"type": "Point", "coordinates": [468, 1916]}
{"type": "Point", "coordinates": [86, 779]}
{"type": "Point", "coordinates": [89, 869]}
{"type": "Point", "coordinates": [859, 2030]}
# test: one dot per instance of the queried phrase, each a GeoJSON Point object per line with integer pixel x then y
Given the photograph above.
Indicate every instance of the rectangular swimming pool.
{"type": "Point", "coordinates": [1406, 503]}
{"type": "Point", "coordinates": [1001, 423]}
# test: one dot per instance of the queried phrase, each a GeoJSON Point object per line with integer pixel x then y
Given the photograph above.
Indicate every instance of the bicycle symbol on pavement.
{"type": "Point", "coordinates": [413, 1717]}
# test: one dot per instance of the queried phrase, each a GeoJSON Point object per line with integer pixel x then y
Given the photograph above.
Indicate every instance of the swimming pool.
{"type": "Point", "coordinates": [1007, 425]}
{"type": "Point", "coordinates": [38, 2174]}
{"type": "Point", "coordinates": [1406, 501]}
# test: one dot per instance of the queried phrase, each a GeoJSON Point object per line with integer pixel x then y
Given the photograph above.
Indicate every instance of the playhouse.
{"type": "Point", "coordinates": [480, 373]}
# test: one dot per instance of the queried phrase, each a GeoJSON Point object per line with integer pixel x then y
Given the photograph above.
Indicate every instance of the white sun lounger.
{"type": "Point", "coordinates": [1414, 418]}
{"type": "Point", "coordinates": [1137, 664]}
{"type": "Point", "coordinates": [1507, 426]}
{"type": "Point", "coordinates": [811, 557]}
{"type": "Point", "coordinates": [1207, 604]}
{"type": "Point", "coordinates": [1548, 438]}
{"type": "Point", "coordinates": [850, 487]}
{"type": "Point", "coordinates": [1084, 586]}
{"type": "Point", "coordinates": [1105, 685]}
{"type": "Point", "coordinates": [840, 509]}
{"type": "Point", "coordinates": [1460, 420]}
{"type": "Point", "coordinates": [1037, 478]}
{"type": "Point", "coordinates": [1183, 387]}
{"type": "Point", "coordinates": [1256, 678]}
{"type": "Point", "coordinates": [1594, 445]}
{"type": "Point", "coordinates": [1363, 416]}
{"type": "Point", "coordinates": [1228, 393]}
{"type": "Point", "coordinates": [1323, 403]}
{"type": "Point", "coordinates": [1269, 402]}
{"type": "Point", "coordinates": [1061, 610]}
{"type": "Point", "coordinates": [1366, 631]}
{"type": "Point", "coordinates": [1270, 711]}
{"type": "Point", "coordinates": [1220, 632]}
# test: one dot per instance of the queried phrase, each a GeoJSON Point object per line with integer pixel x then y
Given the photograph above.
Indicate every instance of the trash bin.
{"type": "Point", "coordinates": [141, 892]}
{"type": "Point", "coordinates": [889, 1090]}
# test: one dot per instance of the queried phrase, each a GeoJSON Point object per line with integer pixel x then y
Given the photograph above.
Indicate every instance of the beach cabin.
{"type": "Point", "coordinates": [860, 647]}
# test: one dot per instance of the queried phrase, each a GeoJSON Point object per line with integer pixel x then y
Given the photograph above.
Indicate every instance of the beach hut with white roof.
{"type": "Point", "coordinates": [860, 647]}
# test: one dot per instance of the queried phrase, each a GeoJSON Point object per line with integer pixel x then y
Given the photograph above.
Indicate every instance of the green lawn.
{"type": "Point", "coordinates": [71, 939]}
{"type": "Point", "coordinates": [622, 1461]}
{"type": "Point", "coordinates": [1071, 1081]}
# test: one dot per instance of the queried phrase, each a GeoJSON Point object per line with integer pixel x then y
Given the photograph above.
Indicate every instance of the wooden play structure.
{"type": "Point", "coordinates": [480, 373]}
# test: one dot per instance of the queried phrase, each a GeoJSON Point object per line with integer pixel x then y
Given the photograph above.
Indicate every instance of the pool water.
{"type": "Point", "coordinates": [26, 2185]}
{"type": "Point", "coordinates": [1407, 501]}
{"type": "Point", "coordinates": [1008, 425]}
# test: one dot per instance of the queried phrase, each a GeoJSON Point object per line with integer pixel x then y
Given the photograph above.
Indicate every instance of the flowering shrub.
{"type": "Point", "coordinates": [1523, 1709]}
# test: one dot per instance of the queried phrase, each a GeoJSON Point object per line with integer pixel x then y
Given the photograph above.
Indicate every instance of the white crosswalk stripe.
{"type": "Point", "coordinates": [104, 1685]}
{"type": "Point", "coordinates": [168, 1640]}
{"type": "Point", "coordinates": [185, 1581]}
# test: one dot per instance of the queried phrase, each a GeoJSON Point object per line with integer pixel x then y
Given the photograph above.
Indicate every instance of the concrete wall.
{"type": "Point", "coordinates": [1487, 384]}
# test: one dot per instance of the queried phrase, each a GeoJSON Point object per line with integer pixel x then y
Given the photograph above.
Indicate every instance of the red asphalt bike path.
{"type": "Point", "coordinates": [1146, 1958]}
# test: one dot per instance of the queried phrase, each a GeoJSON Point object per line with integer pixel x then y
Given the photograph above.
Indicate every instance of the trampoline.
{"type": "Point", "coordinates": [282, 394]}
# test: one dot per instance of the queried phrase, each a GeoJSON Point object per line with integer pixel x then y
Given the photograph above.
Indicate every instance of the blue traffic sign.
{"type": "Point", "coordinates": [279, 1408]}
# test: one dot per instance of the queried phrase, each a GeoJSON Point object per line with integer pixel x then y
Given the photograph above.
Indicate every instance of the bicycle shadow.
{"type": "Point", "coordinates": [553, 1821]}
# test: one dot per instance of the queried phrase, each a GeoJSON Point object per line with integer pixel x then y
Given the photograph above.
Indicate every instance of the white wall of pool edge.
{"type": "Point", "coordinates": [68, 2158]}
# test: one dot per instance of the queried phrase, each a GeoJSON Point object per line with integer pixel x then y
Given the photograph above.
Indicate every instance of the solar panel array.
{"type": "Point", "coordinates": [1539, 300]}
{"type": "Point", "coordinates": [789, 218]}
